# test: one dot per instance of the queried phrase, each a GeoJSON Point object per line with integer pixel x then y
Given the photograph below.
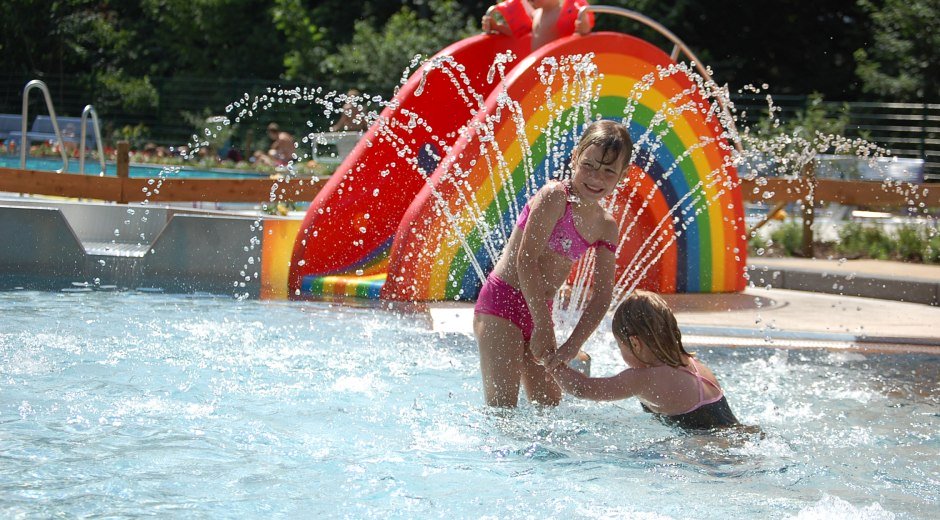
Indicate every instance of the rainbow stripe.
{"type": "Point", "coordinates": [682, 174]}
{"type": "Point", "coordinates": [369, 286]}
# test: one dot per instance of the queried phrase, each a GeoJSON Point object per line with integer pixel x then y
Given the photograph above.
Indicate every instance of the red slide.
{"type": "Point", "coordinates": [349, 226]}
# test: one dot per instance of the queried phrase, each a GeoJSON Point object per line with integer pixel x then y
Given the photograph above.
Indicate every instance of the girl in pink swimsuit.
{"type": "Point", "coordinates": [558, 225]}
{"type": "Point", "coordinates": [669, 382]}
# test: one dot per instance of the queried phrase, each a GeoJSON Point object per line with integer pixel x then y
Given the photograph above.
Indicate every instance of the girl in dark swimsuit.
{"type": "Point", "coordinates": [668, 380]}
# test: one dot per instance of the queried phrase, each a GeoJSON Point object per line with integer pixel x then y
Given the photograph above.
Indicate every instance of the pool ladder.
{"type": "Point", "coordinates": [88, 110]}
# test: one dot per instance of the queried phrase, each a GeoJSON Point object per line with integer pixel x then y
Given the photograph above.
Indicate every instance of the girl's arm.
{"type": "Point", "coordinates": [545, 208]}
{"type": "Point", "coordinates": [621, 386]}
{"type": "Point", "coordinates": [605, 268]}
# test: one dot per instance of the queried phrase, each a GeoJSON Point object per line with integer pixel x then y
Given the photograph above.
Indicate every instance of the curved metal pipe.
{"type": "Point", "coordinates": [24, 144]}
{"type": "Point", "coordinates": [81, 147]}
{"type": "Point", "coordinates": [678, 45]}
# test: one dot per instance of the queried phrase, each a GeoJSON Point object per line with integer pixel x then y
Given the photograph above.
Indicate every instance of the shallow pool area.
{"type": "Point", "coordinates": [128, 404]}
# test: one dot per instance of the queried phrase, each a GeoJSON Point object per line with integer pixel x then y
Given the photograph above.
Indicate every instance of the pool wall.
{"type": "Point", "coordinates": [55, 245]}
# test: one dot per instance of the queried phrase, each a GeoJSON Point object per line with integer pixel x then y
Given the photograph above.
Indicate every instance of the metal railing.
{"type": "Point", "coordinates": [906, 130]}
{"type": "Point", "coordinates": [90, 110]}
{"type": "Point", "coordinates": [678, 46]}
{"type": "Point", "coordinates": [24, 144]}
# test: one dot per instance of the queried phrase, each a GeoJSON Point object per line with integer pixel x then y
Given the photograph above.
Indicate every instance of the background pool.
{"type": "Point", "coordinates": [92, 167]}
{"type": "Point", "coordinates": [126, 404]}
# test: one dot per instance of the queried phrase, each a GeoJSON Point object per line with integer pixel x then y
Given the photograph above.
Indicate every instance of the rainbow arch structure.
{"type": "Point", "coordinates": [680, 210]}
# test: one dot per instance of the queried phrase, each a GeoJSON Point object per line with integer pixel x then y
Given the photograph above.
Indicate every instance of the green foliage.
{"type": "Point", "coordinates": [795, 46]}
{"type": "Point", "coordinates": [757, 244]}
{"type": "Point", "coordinates": [901, 61]}
{"type": "Point", "coordinates": [308, 43]}
{"type": "Point", "coordinates": [857, 240]}
{"type": "Point", "coordinates": [789, 237]}
{"type": "Point", "coordinates": [804, 128]}
{"type": "Point", "coordinates": [932, 249]}
{"type": "Point", "coordinates": [136, 135]}
{"type": "Point", "coordinates": [119, 92]}
{"type": "Point", "coordinates": [211, 129]}
{"type": "Point", "coordinates": [376, 57]}
{"type": "Point", "coordinates": [911, 243]}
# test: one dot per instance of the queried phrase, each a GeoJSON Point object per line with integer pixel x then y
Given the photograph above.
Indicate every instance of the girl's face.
{"type": "Point", "coordinates": [593, 179]}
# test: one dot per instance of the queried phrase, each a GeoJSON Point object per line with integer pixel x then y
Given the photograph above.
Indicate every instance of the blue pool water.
{"type": "Point", "coordinates": [136, 170]}
{"type": "Point", "coordinates": [127, 404]}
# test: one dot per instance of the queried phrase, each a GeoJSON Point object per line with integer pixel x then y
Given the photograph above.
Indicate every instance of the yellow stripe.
{"type": "Point", "coordinates": [611, 85]}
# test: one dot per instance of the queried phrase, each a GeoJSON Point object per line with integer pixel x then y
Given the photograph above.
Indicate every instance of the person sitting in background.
{"type": "Point", "coordinates": [547, 20]}
{"type": "Point", "coordinates": [282, 149]}
{"type": "Point", "coordinates": [350, 118]}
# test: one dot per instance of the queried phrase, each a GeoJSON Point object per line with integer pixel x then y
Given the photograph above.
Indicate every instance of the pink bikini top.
{"type": "Point", "coordinates": [701, 388]}
{"type": "Point", "coordinates": [565, 239]}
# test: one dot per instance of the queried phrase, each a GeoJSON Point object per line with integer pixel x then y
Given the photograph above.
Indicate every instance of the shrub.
{"type": "Point", "coordinates": [911, 243]}
{"type": "Point", "coordinates": [757, 244]}
{"type": "Point", "coordinates": [789, 236]}
{"type": "Point", "coordinates": [932, 250]}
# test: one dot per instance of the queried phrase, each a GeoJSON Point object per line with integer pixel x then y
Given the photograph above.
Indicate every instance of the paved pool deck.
{"type": "Point", "coordinates": [865, 305]}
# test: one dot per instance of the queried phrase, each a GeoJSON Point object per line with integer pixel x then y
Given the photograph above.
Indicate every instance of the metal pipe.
{"type": "Point", "coordinates": [24, 144]}
{"type": "Point", "coordinates": [679, 45]}
{"type": "Point", "coordinates": [81, 147]}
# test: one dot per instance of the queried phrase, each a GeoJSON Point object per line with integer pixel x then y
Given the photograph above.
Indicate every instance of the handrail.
{"type": "Point", "coordinates": [24, 144]}
{"type": "Point", "coordinates": [81, 147]}
{"type": "Point", "coordinates": [678, 45]}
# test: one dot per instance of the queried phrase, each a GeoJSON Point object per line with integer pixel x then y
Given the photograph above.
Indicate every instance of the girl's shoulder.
{"type": "Point", "coordinates": [553, 192]}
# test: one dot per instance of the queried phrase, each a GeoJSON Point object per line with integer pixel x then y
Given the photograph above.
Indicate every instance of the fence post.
{"type": "Point", "coordinates": [123, 167]}
{"type": "Point", "coordinates": [808, 174]}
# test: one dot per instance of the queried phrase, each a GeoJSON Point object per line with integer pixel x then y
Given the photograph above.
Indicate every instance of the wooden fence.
{"type": "Point", "coordinates": [778, 192]}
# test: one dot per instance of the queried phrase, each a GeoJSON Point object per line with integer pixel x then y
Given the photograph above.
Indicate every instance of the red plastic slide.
{"type": "Point", "coordinates": [350, 224]}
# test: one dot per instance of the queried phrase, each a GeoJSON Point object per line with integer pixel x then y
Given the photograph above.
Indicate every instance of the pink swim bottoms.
{"type": "Point", "coordinates": [498, 298]}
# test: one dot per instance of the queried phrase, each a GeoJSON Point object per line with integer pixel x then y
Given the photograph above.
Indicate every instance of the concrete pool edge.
{"type": "Point", "coordinates": [778, 318]}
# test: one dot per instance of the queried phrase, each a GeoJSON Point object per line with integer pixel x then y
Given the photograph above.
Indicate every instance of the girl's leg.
{"type": "Point", "coordinates": [539, 385]}
{"type": "Point", "coordinates": [501, 347]}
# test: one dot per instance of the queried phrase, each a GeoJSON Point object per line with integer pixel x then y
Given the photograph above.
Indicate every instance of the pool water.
{"type": "Point", "coordinates": [128, 404]}
{"type": "Point", "coordinates": [136, 170]}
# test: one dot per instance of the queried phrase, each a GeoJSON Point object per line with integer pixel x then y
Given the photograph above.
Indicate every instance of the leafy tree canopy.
{"type": "Point", "coordinates": [902, 61]}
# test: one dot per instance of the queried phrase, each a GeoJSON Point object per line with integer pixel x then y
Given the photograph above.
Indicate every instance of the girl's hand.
{"type": "Point", "coordinates": [487, 24]}
{"type": "Point", "coordinates": [562, 356]}
{"type": "Point", "coordinates": [542, 344]}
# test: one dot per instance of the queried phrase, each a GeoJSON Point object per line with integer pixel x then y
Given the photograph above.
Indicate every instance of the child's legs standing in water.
{"type": "Point", "coordinates": [501, 351]}
{"type": "Point", "coordinates": [506, 361]}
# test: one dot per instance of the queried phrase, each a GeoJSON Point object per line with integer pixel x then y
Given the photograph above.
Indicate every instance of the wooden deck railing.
{"type": "Point", "coordinates": [124, 189]}
{"type": "Point", "coordinates": [777, 192]}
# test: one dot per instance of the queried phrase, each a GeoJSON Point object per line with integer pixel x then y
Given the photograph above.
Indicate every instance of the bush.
{"type": "Point", "coordinates": [856, 240]}
{"type": "Point", "coordinates": [911, 244]}
{"type": "Point", "coordinates": [789, 236]}
{"type": "Point", "coordinates": [932, 250]}
{"type": "Point", "coordinates": [757, 244]}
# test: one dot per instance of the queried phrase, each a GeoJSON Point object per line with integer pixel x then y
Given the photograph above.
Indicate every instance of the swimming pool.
{"type": "Point", "coordinates": [128, 404]}
{"type": "Point", "coordinates": [136, 170]}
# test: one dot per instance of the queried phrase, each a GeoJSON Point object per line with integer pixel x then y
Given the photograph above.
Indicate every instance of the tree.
{"type": "Point", "coordinates": [376, 57]}
{"type": "Point", "coordinates": [902, 61]}
{"type": "Point", "coordinates": [795, 46]}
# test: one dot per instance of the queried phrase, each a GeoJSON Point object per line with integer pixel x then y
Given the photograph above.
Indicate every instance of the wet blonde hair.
{"type": "Point", "coordinates": [613, 140]}
{"type": "Point", "coordinates": [647, 316]}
